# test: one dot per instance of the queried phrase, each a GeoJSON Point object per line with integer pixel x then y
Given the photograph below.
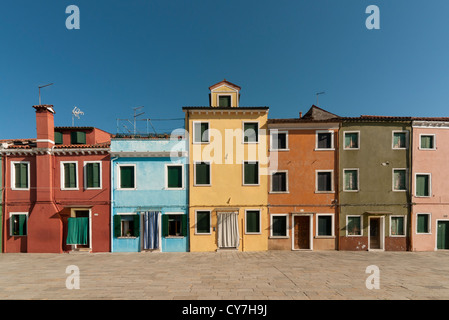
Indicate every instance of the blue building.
{"type": "Point", "coordinates": [149, 194]}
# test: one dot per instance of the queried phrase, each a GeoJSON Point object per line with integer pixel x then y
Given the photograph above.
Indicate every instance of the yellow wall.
{"type": "Point", "coordinates": [223, 89]}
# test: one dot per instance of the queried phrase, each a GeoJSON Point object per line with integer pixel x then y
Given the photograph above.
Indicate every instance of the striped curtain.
{"type": "Point", "coordinates": [228, 230]}
{"type": "Point", "coordinates": [150, 230]}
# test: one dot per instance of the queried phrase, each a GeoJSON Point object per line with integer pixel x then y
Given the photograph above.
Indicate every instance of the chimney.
{"type": "Point", "coordinates": [45, 126]}
{"type": "Point", "coordinates": [300, 114]}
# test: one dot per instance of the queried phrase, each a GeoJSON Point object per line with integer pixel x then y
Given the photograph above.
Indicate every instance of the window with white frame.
{"type": "Point", "coordinates": [92, 174]}
{"type": "Point", "coordinates": [422, 185]}
{"type": "Point", "coordinates": [250, 173]}
{"type": "Point", "coordinates": [423, 223]}
{"type": "Point", "coordinates": [400, 139]}
{"type": "Point", "coordinates": [399, 179]}
{"type": "Point", "coordinates": [427, 142]}
{"type": "Point", "coordinates": [324, 181]}
{"type": "Point", "coordinates": [69, 175]}
{"type": "Point", "coordinates": [202, 173]}
{"type": "Point", "coordinates": [252, 222]}
{"type": "Point", "coordinates": [351, 180]}
{"type": "Point", "coordinates": [353, 225]}
{"type": "Point", "coordinates": [224, 100]}
{"type": "Point", "coordinates": [279, 225]}
{"type": "Point", "coordinates": [127, 176]}
{"type": "Point", "coordinates": [325, 224]}
{"type": "Point", "coordinates": [279, 181]}
{"type": "Point", "coordinates": [202, 222]}
{"type": "Point", "coordinates": [174, 176]}
{"type": "Point", "coordinates": [351, 140]}
{"type": "Point", "coordinates": [250, 132]}
{"type": "Point", "coordinates": [324, 140]}
{"type": "Point", "coordinates": [397, 226]}
{"type": "Point", "coordinates": [20, 175]}
{"type": "Point", "coordinates": [279, 140]}
{"type": "Point", "coordinates": [200, 132]}
{"type": "Point", "coordinates": [18, 223]}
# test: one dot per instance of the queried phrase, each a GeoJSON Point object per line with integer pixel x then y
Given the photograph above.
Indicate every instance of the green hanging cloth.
{"type": "Point", "coordinates": [77, 230]}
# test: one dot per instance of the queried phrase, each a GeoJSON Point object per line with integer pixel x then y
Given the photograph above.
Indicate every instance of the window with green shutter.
{"type": "Point", "coordinates": [174, 176]}
{"type": "Point", "coordinates": [422, 185]}
{"type": "Point", "coordinates": [174, 225]}
{"type": "Point", "coordinates": [18, 224]}
{"type": "Point", "coordinates": [93, 176]}
{"type": "Point", "coordinates": [397, 226]}
{"type": "Point", "coordinates": [224, 101]}
{"type": "Point", "coordinates": [201, 132]}
{"type": "Point", "coordinates": [58, 137]}
{"type": "Point", "coordinates": [324, 225]}
{"type": "Point", "coordinates": [423, 223]}
{"type": "Point", "coordinates": [351, 140]}
{"type": "Point", "coordinates": [70, 181]}
{"type": "Point", "coordinates": [251, 173]}
{"type": "Point", "coordinates": [250, 132]}
{"type": "Point", "coordinates": [253, 221]}
{"type": "Point", "coordinates": [279, 226]}
{"type": "Point", "coordinates": [202, 222]}
{"type": "Point", "coordinates": [354, 226]}
{"type": "Point", "coordinates": [127, 177]}
{"type": "Point", "coordinates": [427, 142]}
{"type": "Point", "coordinates": [78, 137]}
{"type": "Point", "coordinates": [202, 173]}
{"type": "Point", "coordinates": [351, 178]}
{"type": "Point", "coordinates": [21, 175]}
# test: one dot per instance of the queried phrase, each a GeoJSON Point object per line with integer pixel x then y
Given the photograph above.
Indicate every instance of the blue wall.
{"type": "Point", "coordinates": [150, 193]}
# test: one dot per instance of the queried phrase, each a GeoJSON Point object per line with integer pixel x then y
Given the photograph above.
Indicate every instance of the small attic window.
{"type": "Point", "coordinates": [224, 101]}
{"type": "Point", "coordinates": [58, 137]}
{"type": "Point", "coordinates": [78, 137]}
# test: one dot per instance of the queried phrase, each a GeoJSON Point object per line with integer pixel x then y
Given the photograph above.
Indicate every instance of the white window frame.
{"type": "Point", "coordinates": [210, 223]}
{"type": "Point", "coordinates": [332, 181]}
{"type": "Point", "coordinates": [430, 184]}
{"type": "Point", "coordinates": [13, 175]}
{"type": "Point", "coordinates": [361, 225]}
{"type": "Point", "coordinates": [119, 175]}
{"type": "Point", "coordinates": [208, 132]}
{"type": "Point", "coordinates": [358, 140]}
{"type": "Point", "coordinates": [166, 175]}
{"type": "Point", "coordinates": [218, 95]}
{"type": "Point", "coordinates": [407, 139]}
{"type": "Point", "coordinates": [429, 224]}
{"type": "Point", "coordinates": [174, 213]}
{"type": "Point", "coordinates": [286, 215]}
{"type": "Point", "coordinates": [405, 226]}
{"type": "Point", "coordinates": [277, 132]}
{"type": "Point", "coordinates": [62, 174]}
{"type": "Point", "coordinates": [121, 229]}
{"type": "Point", "coordinates": [10, 223]}
{"type": "Point", "coordinates": [210, 173]}
{"type": "Point", "coordinates": [85, 175]}
{"type": "Point", "coordinates": [243, 173]}
{"type": "Point", "coordinates": [332, 224]}
{"type": "Point", "coordinates": [434, 141]}
{"type": "Point", "coordinates": [286, 181]}
{"type": "Point", "coordinates": [344, 179]}
{"type": "Point", "coordinates": [257, 133]}
{"type": "Point", "coordinates": [260, 221]}
{"type": "Point", "coordinates": [406, 179]}
{"type": "Point", "coordinates": [317, 132]}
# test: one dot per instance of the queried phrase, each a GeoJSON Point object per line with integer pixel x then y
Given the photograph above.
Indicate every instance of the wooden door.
{"type": "Point", "coordinates": [443, 235]}
{"type": "Point", "coordinates": [84, 214]}
{"type": "Point", "coordinates": [374, 233]}
{"type": "Point", "coordinates": [301, 232]}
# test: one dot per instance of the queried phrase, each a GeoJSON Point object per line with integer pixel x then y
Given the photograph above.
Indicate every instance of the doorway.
{"type": "Point", "coordinates": [302, 232]}
{"type": "Point", "coordinates": [376, 233]}
{"type": "Point", "coordinates": [228, 230]}
{"type": "Point", "coordinates": [79, 233]}
{"type": "Point", "coordinates": [443, 235]}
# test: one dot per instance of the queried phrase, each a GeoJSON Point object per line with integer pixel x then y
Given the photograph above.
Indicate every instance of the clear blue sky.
{"type": "Point", "coordinates": [164, 54]}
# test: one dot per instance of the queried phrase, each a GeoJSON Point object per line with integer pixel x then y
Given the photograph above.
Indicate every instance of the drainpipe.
{"type": "Point", "coordinates": [112, 201]}
{"type": "Point", "coordinates": [410, 179]}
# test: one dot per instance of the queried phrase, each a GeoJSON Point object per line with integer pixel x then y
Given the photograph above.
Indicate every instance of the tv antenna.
{"type": "Point", "coordinates": [317, 94]}
{"type": "Point", "coordinates": [136, 115]}
{"type": "Point", "coordinates": [40, 87]}
{"type": "Point", "coordinates": [76, 112]}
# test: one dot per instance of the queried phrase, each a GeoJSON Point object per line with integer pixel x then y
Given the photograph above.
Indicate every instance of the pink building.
{"type": "Point", "coordinates": [430, 184]}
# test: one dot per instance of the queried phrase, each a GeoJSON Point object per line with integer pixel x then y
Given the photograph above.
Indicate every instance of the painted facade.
{"type": "Point", "coordinates": [303, 188]}
{"type": "Point", "coordinates": [374, 183]}
{"type": "Point", "coordinates": [56, 196]}
{"type": "Point", "coordinates": [227, 173]}
{"type": "Point", "coordinates": [430, 177]}
{"type": "Point", "coordinates": [149, 195]}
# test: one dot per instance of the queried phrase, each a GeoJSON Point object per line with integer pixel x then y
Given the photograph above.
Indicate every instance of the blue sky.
{"type": "Point", "coordinates": [165, 54]}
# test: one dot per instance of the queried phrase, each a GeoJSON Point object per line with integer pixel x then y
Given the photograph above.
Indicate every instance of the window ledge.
{"type": "Point", "coordinates": [279, 237]}
{"type": "Point", "coordinates": [174, 237]}
{"type": "Point", "coordinates": [127, 237]}
{"type": "Point", "coordinates": [324, 237]}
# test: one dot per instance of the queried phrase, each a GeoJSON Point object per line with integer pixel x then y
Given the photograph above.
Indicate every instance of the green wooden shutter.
{"type": "Point", "coordinates": [422, 185]}
{"type": "Point", "coordinates": [78, 137]}
{"type": "Point", "coordinates": [427, 142]}
{"type": "Point", "coordinates": [252, 221]}
{"type": "Point", "coordinates": [203, 222]}
{"type": "Point", "coordinates": [251, 173]}
{"type": "Point", "coordinates": [204, 135]}
{"type": "Point", "coordinates": [126, 177]}
{"type": "Point", "coordinates": [93, 175]}
{"type": "Point", "coordinates": [58, 137]}
{"type": "Point", "coordinates": [184, 225]}
{"type": "Point", "coordinates": [423, 223]}
{"type": "Point", "coordinates": [324, 226]}
{"type": "Point", "coordinates": [250, 132]}
{"type": "Point", "coordinates": [174, 176]}
{"type": "Point", "coordinates": [117, 226]}
{"type": "Point", "coordinates": [136, 231]}
{"type": "Point", "coordinates": [165, 225]}
{"type": "Point", "coordinates": [224, 101]}
{"type": "Point", "coordinates": [202, 173]}
{"type": "Point", "coordinates": [70, 175]}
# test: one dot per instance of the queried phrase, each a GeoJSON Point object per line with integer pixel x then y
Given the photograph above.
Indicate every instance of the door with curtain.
{"type": "Point", "coordinates": [228, 230]}
{"type": "Point", "coordinates": [150, 230]}
{"type": "Point", "coordinates": [78, 229]}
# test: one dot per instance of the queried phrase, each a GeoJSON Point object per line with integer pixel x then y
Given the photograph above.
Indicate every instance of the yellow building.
{"type": "Point", "coordinates": [227, 173]}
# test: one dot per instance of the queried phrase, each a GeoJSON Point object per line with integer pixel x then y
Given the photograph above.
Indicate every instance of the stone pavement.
{"type": "Point", "coordinates": [285, 275]}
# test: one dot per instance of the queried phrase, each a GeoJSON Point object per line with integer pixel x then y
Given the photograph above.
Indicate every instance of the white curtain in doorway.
{"type": "Point", "coordinates": [150, 230]}
{"type": "Point", "coordinates": [228, 230]}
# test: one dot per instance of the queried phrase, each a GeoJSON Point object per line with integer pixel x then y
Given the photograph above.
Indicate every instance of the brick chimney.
{"type": "Point", "coordinates": [45, 126]}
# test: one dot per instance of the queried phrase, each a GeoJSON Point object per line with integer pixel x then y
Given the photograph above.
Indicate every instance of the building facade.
{"type": "Point", "coordinates": [149, 194]}
{"type": "Point", "coordinates": [228, 170]}
{"type": "Point", "coordinates": [374, 183]}
{"type": "Point", "coordinates": [303, 188]}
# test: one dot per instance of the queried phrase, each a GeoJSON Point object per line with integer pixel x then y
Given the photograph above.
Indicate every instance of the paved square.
{"type": "Point", "coordinates": [268, 275]}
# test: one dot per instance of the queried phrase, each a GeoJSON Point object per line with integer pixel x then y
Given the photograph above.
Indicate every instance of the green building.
{"type": "Point", "coordinates": [374, 183]}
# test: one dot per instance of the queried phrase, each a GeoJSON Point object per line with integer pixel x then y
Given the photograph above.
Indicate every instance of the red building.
{"type": "Point", "coordinates": [56, 195]}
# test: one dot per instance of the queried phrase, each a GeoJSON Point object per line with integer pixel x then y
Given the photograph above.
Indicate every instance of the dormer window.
{"type": "Point", "coordinates": [78, 137]}
{"type": "Point", "coordinates": [224, 101]}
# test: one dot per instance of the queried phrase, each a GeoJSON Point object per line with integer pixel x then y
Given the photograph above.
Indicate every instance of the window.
{"type": "Point", "coordinates": [201, 132]}
{"type": "Point", "coordinates": [279, 182]}
{"type": "Point", "coordinates": [126, 225]}
{"type": "Point", "coordinates": [351, 140]}
{"type": "Point", "coordinates": [324, 140]}
{"type": "Point", "coordinates": [399, 179]}
{"type": "Point", "coordinates": [354, 225]}
{"type": "Point", "coordinates": [20, 175]}
{"type": "Point", "coordinates": [250, 173]}
{"type": "Point", "coordinates": [224, 101]}
{"type": "Point", "coordinates": [422, 185]}
{"type": "Point", "coordinates": [351, 180]}
{"type": "Point", "coordinates": [174, 176]}
{"type": "Point", "coordinates": [279, 225]}
{"type": "Point", "coordinates": [324, 225]}
{"type": "Point", "coordinates": [202, 225]}
{"type": "Point", "coordinates": [397, 226]}
{"type": "Point", "coordinates": [252, 221]}
{"type": "Point", "coordinates": [427, 142]}
{"type": "Point", "coordinates": [279, 140]}
{"type": "Point", "coordinates": [202, 173]}
{"type": "Point", "coordinates": [92, 175]}
{"type": "Point", "coordinates": [18, 223]}
{"type": "Point", "coordinates": [78, 137]}
{"type": "Point", "coordinates": [58, 137]}
{"type": "Point", "coordinates": [250, 132]}
{"type": "Point", "coordinates": [399, 139]}
{"type": "Point", "coordinates": [423, 223]}
{"type": "Point", "coordinates": [69, 176]}
{"type": "Point", "coordinates": [174, 225]}
{"type": "Point", "coordinates": [324, 181]}
{"type": "Point", "coordinates": [127, 177]}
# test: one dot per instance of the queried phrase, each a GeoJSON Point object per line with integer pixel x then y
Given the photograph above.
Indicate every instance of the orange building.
{"type": "Point", "coordinates": [303, 182]}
